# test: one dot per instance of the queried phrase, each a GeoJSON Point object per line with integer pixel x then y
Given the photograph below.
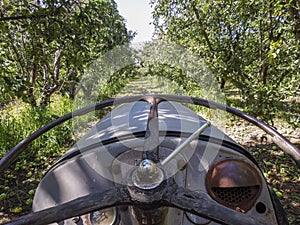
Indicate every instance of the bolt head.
{"type": "Point", "coordinates": [147, 169]}
{"type": "Point", "coordinates": [147, 175]}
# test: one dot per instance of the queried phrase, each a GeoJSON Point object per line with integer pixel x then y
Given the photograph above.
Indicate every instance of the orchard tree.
{"type": "Point", "coordinates": [46, 44]}
{"type": "Point", "coordinates": [253, 45]}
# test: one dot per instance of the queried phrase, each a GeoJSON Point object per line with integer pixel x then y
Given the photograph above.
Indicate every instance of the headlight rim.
{"type": "Point", "coordinates": [233, 183]}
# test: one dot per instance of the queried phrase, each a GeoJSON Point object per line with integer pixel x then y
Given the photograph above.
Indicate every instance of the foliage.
{"type": "Point", "coordinates": [253, 45]}
{"type": "Point", "coordinates": [46, 44]}
{"type": "Point", "coordinates": [157, 64]}
{"type": "Point", "coordinates": [19, 120]}
{"type": "Point", "coordinates": [161, 58]}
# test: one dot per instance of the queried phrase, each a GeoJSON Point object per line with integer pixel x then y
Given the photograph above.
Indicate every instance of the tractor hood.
{"type": "Point", "coordinates": [87, 166]}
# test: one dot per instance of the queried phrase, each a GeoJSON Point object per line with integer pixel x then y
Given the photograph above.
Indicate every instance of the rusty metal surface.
{"type": "Point", "coordinates": [234, 183]}
{"type": "Point", "coordinates": [233, 173]}
{"type": "Point", "coordinates": [170, 195]}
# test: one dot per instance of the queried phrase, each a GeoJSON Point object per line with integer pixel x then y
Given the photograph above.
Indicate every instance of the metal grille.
{"type": "Point", "coordinates": [235, 196]}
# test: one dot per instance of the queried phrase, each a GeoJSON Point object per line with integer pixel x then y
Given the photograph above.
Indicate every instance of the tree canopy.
{"type": "Point", "coordinates": [46, 44]}
{"type": "Point", "coordinates": [253, 45]}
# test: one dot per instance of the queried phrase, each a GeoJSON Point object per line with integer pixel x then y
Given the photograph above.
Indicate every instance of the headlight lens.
{"type": "Point", "coordinates": [234, 183]}
{"type": "Point", "coordinates": [103, 217]}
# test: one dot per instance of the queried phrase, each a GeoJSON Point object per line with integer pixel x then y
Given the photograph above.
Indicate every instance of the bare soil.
{"type": "Point", "coordinates": [280, 171]}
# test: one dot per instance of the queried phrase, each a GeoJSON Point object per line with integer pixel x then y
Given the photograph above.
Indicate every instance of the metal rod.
{"type": "Point", "coordinates": [185, 143]}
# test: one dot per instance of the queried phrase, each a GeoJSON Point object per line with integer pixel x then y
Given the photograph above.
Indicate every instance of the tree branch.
{"type": "Point", "coordinates": [22, 17]}
{"type": "Point", "coordinates": [203, 29]}
{"type": "Point", "coordinates": [56, 68]}
{"type": "Point", "coordinates": [294, 15]}
{"type": "Point", "coordinates": [30, 16]}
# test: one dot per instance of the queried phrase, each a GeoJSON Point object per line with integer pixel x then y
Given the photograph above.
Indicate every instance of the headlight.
{"type": "Point", "coordinates": [101, 217]}
{"type": "Point", "coordinates": [234, 183]}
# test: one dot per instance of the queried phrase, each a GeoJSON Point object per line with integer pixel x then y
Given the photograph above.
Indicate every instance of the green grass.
{"type": "Point", "coordinates": [17, 121]}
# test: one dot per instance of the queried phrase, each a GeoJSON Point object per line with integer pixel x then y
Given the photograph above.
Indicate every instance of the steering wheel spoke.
{"type": "Point", "coordinates": [200, 204]}
{"type": "Point", "coordinates": [96, 201]}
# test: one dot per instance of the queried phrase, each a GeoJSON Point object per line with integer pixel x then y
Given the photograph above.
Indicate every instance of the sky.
{"type": "Point", "coordinates": [137, 14]}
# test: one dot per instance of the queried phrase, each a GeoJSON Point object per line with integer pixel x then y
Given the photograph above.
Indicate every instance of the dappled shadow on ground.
{"type": "Point", "coordinates": [280, 171]}
{"type": "Point", "coordinates": [17, 187]}
{"type": "Point", "coordinates": [287, 109]}
{"type": "Point", "coordinates": [282, 174]}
